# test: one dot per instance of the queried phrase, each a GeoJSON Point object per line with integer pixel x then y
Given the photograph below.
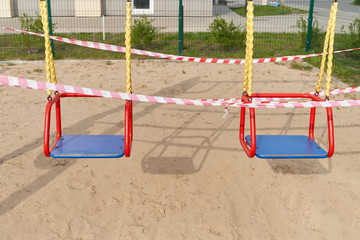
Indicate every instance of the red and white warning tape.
{"type": "Point", "coordinates": [321, 94]}
{"type": "Point", "coordinates": [113, 48]}
{"type": "Point", "coordinates": [31, 84]}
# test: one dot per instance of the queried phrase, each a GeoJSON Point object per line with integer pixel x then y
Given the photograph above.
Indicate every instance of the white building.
{"type": "Point", "coordinates": [97, 8]}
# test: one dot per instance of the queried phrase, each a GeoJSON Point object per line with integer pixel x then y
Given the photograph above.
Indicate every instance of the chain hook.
{"type": "Point", "coordinates": [246, 95]}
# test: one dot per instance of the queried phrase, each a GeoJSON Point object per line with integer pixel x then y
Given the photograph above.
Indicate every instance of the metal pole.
{"type": "Point", "coordinates": [181, 26]}
{"type": "Point", "coordinates": [103, 10]}
{"type": "Point", "coordinates": [310, 21]}
{"type": "Point", "coordinates": [103, 26]}
{"type": "Point", "coordinates": [50, 26]}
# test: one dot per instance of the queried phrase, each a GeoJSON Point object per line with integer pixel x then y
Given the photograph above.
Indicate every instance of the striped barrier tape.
{"type": "Point", "coordinates": [321, 94]}
{"type": "Point", "coordinates": [114, 48]}
{"type": "Point", "coordinates": [32, 84]}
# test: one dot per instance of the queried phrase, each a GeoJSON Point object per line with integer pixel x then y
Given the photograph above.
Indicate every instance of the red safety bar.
{"type": "Point", "coordinates": [128, 127]}
{"type": "Point", "coordinates": [56, 101]}
{"type": "Point", "coordinates": [251, 151]}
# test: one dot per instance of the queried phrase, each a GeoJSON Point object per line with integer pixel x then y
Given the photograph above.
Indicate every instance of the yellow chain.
{"type": "Point", "coordinates": [49, 58]}
{"type": "Point", "coordinates": [128, 47]}
{"type": "Point", "coordinates": [325, 49]}
{"type": "Point", "coordinates": [249, 48]}
{"type": "Point", "coordinates": [331, 51]}
{"type": "Point", "coordinates": [328, 47]}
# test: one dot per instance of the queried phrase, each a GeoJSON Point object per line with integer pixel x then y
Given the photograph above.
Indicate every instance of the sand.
{"type": "Point", "coordinates": [187, 177]}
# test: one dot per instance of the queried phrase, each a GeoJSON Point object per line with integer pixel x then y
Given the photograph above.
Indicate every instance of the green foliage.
{"type": "Point", "coordinates": [143, 32]}
{"type": "Point", "coordinates": [32, 24]}
{"type": "Point", "coordinates": [353, 37]}
{"type": "Point", "coordinates": [316, 33]}
{"type": "Point", "coordinates": [352, 40]}
{"type": "Point", "coordinates": [356, 2]}
{"type": "Point", "coordinates": [227, 34]}
{"type": "Point", "coordinates": [269, 10]}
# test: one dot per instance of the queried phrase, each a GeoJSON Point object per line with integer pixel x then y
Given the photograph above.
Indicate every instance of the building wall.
{"type": "Point", "coordinates": [6, 8]}
{"type": "Point", "coordinates": [242, 2]}
{"type": "Point", "coordinates": [66, 8]}
{"type": "Point", "coordinates": [62, 8]}
{"type": "Point", "coordinates": [165, 7]}
{"type": "Point", "coordinates": [114, 7]}
{"type": "Point", "coordinates": [191, 7]}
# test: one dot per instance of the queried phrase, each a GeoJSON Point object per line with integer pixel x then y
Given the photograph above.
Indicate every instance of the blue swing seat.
{"type": "Point", "coordinates": [89, 146]}
{"type": "Point", "coordinates": [286, 146]}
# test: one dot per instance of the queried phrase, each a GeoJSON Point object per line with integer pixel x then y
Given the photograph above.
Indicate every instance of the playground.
{"type": "Point", "coordinates": [188, 172]}
{"type": "Point", "coordinates": [188, 176]}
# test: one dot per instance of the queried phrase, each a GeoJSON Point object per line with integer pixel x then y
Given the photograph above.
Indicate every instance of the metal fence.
{"type": "Point", "coordinates": [104, 21]}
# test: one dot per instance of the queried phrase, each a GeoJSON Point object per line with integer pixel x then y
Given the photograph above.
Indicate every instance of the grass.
{"type": "Point", "coordinates": [269, 11]}
{"type": "Point", "coordinates": [299, 66]}
{"type": "Point", "coordinates": [38, 70]}
{"type": "Point", "coordinates": [195, 44]}
{"type": "Point", "coordinates": [346, 65]}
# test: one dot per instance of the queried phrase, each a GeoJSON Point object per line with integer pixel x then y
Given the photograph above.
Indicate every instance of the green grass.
{"type": "Point", "coordinates": [346, 65]}
{"type": "Point", "coordinates": [300, 66]}
{"type": "Point", "coordinates": [269, 11]}
{"type": "Point", "coordinates": [195, 44]}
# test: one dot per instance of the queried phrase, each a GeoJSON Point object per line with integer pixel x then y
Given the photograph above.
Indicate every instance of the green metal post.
{"type": "Point", "coordinates": [181, 27]}
{"type": "Point", "coordinates": [50, 26]}
{"type": "Point", "coordinates": [310, 21]}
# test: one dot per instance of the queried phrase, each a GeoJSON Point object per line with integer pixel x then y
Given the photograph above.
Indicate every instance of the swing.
{"type": "Point", "coordinates": [286, 146]}
{"type": "Point", "coordinates": [85, 146]}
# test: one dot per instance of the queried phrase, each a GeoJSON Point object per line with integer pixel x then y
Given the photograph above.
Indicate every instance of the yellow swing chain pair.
{"type": "Point", "coordinates": [128, 47]}
{"type": "Point", "coordinates": [49, 58]}
{"type": "Point", "coordinates": [249, 49]}
{"type": "Point", "coordinates": [328, 48]}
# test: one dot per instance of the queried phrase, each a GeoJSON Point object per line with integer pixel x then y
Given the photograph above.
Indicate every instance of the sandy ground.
{"type": "Point", "coordinates": [187, 177]}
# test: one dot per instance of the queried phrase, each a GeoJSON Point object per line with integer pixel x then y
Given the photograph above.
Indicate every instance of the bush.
{"type": "Point", "coordinates": [316, 33]}
{"type": "Point", "coordinates": [143, 32]}
{"type": "Point", "coordinates": [227, 34]}
{"type": "Point", "coordinates": [33, 24]}
{"type": "Point", "coordinates": [353, 37]}
{"type": "Point", "coordinates": [356, 2]}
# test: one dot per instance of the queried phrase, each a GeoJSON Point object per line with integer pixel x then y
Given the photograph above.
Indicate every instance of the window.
{"type": "Point", "coordinates": [143, 6]}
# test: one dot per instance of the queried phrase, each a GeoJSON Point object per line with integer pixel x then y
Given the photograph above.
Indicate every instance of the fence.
{"type": "Point", "coordinates": [276, 27]}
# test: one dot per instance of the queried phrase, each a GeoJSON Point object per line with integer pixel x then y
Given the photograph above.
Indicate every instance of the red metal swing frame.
{"type": "Point", "coordinates": [251, 151]}
{"type": "Point", "coordinates": [56, 100]}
